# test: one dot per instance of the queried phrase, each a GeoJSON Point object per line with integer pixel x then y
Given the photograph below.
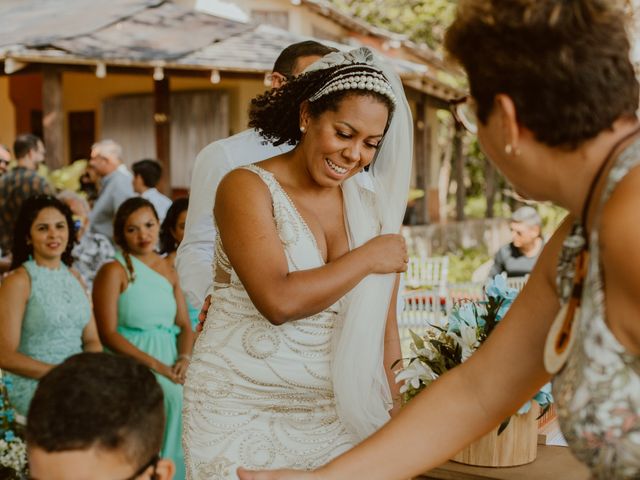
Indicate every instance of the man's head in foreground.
{"type": "Point", "coordinates": [97, 416]}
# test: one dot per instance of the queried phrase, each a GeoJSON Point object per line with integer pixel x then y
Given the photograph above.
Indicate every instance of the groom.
{"type": "Point", "coordinates": [196, 252]}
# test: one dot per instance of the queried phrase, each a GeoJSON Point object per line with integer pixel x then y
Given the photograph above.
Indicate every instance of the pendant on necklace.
{"type": "Point", "coordinates": [562, 334]}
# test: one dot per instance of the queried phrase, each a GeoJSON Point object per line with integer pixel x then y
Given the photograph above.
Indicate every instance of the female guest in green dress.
{"type": "Point", "coordinates": [141, 312]}
{"type": "Point", "coordinates": [45, 315]}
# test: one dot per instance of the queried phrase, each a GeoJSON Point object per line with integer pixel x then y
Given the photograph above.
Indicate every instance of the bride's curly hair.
{"type": "Point", "coordinates": [276, 113]}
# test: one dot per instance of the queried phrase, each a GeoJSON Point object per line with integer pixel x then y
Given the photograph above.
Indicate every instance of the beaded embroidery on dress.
{"type": "Point", "coordinates": [598, 391]}
{"type": "Point", "coordinates": [258, 395]}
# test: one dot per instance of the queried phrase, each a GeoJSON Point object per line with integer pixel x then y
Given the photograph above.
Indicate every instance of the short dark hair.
{"type": "Point", "coordinates": [286, 61]}
{"type": "Point", "coordinates": [167, 241]}
{"type": "Point", "coordinates": [108, 401]}
{"type": "Point", "coordinates": [275, 114]}
{"type": "Point", "coordinates": [24, 143]}
{"type": "Point", "coordinates": [29, 210]}
{"type": "Point", "coordinates": [149, 170]}
{"type": "Point", "coordinates": [565, 65]}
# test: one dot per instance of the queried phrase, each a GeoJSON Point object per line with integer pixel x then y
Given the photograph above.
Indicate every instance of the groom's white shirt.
{"type": "Point", "coordinates": [196, 251]}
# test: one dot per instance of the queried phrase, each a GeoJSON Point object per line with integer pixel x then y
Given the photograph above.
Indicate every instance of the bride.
{"type": "Point", "coordinates": [292, 367]}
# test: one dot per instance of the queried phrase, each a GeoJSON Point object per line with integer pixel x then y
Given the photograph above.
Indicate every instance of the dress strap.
{"type": "Point", "coordinates": [267, 177]}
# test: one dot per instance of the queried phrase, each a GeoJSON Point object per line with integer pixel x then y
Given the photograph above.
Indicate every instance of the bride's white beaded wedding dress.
{"type": "Point", "coordinates": [259, 395]}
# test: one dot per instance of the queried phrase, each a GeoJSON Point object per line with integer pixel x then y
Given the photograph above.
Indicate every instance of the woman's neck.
{"type": "Point", "coordinates": [574, 171]}
{"type": "Point", "coordinates": [146, 258]}
{"type": "Point", "coordinates": [50, 263]}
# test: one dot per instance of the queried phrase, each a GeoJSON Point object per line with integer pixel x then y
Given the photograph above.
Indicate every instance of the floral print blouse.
{"type": "Point", "coordinates": [598, 391]}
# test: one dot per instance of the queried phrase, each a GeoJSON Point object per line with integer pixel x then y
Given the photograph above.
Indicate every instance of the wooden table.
{"type": "Point", "coordinates": [551, 462]}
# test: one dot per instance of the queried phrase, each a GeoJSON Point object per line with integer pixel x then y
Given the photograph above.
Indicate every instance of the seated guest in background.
{"type": "Point", "coordinates": [171, 234]}
{"type": "Point", "coordinates": [146, 175]}
{"type": "Point", "coordinates": [5, 158]}
{"type": "Point", "coordinates": [93, 249]}
{"type": "Point", "coordinates": [97, 416]}
{"type": "Point", "coordinates": [115, 185]}
{"type": "Point", "coordinates": [518, 257]}
{"type": "Point", "coordinates": [46, 314]}
{"type": "Point", "coordinates": [19, 184]}
{"type": "Point", "coordinates": [141, 312]}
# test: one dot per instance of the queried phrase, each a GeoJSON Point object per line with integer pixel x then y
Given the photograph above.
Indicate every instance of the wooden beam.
{"type": "Point", "coordinates": [52, 116]}
{"type": "Point", "coordinates": [162, 122]}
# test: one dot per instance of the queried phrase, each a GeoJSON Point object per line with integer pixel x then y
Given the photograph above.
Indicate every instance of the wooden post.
{"type": "Point", "coordinates": [421, 158]}
{"type": "Point", "coordinates": [458, 162]}
{"type": "Point", "coordinates": [433, 194]}
{"type": "Point", "coordinates": [52, 116]}
{"type": "Point", "coordinates": [162, 122]}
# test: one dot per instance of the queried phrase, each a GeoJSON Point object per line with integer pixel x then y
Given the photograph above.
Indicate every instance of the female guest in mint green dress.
{"type": "Point", "coordinates": [45, 315]}
{"type": "Point", "coordinates": [141, 312]}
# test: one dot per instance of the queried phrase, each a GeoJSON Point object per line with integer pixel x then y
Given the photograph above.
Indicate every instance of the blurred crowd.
{"type": "Point", "coordinates": [92, 269]}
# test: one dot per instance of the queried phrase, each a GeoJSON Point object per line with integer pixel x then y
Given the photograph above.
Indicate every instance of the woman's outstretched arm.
{"type": "Point", "coordinates": [465, 403]}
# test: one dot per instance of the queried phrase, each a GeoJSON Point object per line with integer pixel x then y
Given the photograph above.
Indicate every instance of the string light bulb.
{"type": "Point", "coordinates": [215, 76]}
{"type": "Point", "coordinates": [158, 74]}
{"type": "Point", "coordinates": [101, 70]}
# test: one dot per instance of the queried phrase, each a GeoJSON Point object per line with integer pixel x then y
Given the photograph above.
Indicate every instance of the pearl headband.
{"type": "Point", "coordinates": [356, 77]}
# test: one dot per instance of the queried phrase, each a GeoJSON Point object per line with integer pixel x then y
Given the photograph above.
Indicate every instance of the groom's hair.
{"type": "Point", "coordinates": [286, 62]}
{"type": "Point", "coordinates": [100, 400]}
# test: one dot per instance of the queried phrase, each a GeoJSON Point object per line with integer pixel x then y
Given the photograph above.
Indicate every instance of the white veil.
{"type": "Point", "coordinates": [360, 384]}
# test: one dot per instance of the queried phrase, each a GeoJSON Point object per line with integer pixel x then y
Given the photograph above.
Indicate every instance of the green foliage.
{"type": "Point", "coordinates": [463, 262]}
{"type": "Point", "coordinates": [424, 21]}
{"type": "Point", "coordinates": [552, 217]}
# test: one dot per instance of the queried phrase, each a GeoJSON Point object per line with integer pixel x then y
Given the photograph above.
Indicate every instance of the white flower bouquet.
{"type": "Point", "coordinates": [469, 324]}
{"type": "Point", "coordinates": [13, 450]}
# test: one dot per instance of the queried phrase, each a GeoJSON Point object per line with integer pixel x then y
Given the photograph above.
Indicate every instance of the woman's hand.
{"type": "Point", "coordinates": [167, 371]}
{"type": "Point", "coordinates": [387, 253]}
{"type": "Point", "coordinates": [180, 367]}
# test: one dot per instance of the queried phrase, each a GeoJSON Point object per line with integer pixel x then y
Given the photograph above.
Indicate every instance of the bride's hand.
{"type": "Point", "coordinates": [277, 475]}
{"type": "Point", "coordinates": [387, 253]}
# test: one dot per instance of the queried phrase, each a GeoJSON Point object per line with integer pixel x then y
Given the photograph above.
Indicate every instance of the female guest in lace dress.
{"type": "Point", "coordinates": [141, 312]}
{"type": "Point", "coordinates": [46, 314]}
{"type": "Point", "coordinates": [556, 96]}
{"type": "Point", "coordinates": [293, 364]}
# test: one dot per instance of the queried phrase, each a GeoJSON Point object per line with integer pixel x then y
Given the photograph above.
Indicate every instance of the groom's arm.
{"type": "Point", "coordinates": [196, 251]}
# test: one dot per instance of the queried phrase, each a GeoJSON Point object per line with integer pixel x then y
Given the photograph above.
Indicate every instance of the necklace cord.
{"type": "Point", "coordinates": [597, 176]}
